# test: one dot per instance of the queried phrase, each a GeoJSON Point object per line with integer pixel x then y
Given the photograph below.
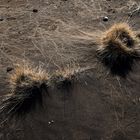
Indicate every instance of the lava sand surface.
{"type": "Point", "coordinates": [53, 34]}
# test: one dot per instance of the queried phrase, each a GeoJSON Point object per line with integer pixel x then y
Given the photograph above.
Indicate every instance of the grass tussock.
{"type": "Point", "coordinates": [117, 50]}
{"type": "Point", "coordinates": [63, 79]}
{"type": "Point", "coordinates": [27, 88]}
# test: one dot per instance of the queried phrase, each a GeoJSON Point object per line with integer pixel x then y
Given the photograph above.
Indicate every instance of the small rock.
{"type": "Point", "coordinates": [105, 18]}
{"type": "Point", "coordinates": [1, 19]}
{"type": "Point", "coordinates": [35, 10]}
{"type": "Point", "coordinates": [49, 123]}
{"type": "Point", "coordinates": [9, 69]}
{"type": "Point", "coordinates": [52, 121]}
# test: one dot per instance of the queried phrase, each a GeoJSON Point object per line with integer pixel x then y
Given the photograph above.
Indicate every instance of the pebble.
{"type": "Point", "coordinates": [9, 69]}
{"type": "Point", "coordinates": [50, 122]}
{"type": "Point", "coordinates": [1, 19]}
{"type": "Point", "coordinates": [35, 10]}
{"type": "Point", "coordinates": [105, 18]}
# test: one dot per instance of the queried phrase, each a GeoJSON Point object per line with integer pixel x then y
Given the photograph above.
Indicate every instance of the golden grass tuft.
{"type": "Point", "coordinates": [117, 49]}
{"type": "Point", "coordinates": [63, 79]}
{"type": "Point", "coordinates": [21, 74]}
{"type": "Point", "coordinates": [27, 89]}
{"type": "Point", "coordinates": [120, 36]}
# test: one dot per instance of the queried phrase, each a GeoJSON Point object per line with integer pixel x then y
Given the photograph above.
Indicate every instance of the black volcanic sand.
{"type": "Point", "coordinates": [54, 34]}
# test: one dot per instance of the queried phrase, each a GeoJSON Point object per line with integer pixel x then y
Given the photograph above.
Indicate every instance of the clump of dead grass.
{"type": "Point", "coordinates": [63, 79]}
{"type": "Point", "coordinates": [27, 88]}
{"type": "Point", "coordinates": [118, 49]}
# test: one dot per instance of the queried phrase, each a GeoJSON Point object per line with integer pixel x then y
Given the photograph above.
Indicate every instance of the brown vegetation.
{"type": "Point", "coordinates": [118, 49]}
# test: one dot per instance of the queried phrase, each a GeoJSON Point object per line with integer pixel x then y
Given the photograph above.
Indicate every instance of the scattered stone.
{"type": "Point", "coordinates": [9, 69]}
{"type": "Point", "coordinates": [1, 19]}
{"type": "Point", "coordinates": [50, 122]}
{"type": "Point", "coordinates": [105, 18]}
{"type": "Point", "coordinates": [35, 10]}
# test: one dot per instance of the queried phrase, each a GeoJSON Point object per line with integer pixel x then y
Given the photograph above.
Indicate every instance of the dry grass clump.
{"type": "Point", "coordinates": [117, 50]}
{"type": "Point", "coordinates": [63, 79]}
{"type": "Point", "coordinates": [27, 88]}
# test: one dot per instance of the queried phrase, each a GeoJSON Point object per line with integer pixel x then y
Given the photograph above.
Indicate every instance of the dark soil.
{"type": "Point", "coordinates": [53, 34]}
